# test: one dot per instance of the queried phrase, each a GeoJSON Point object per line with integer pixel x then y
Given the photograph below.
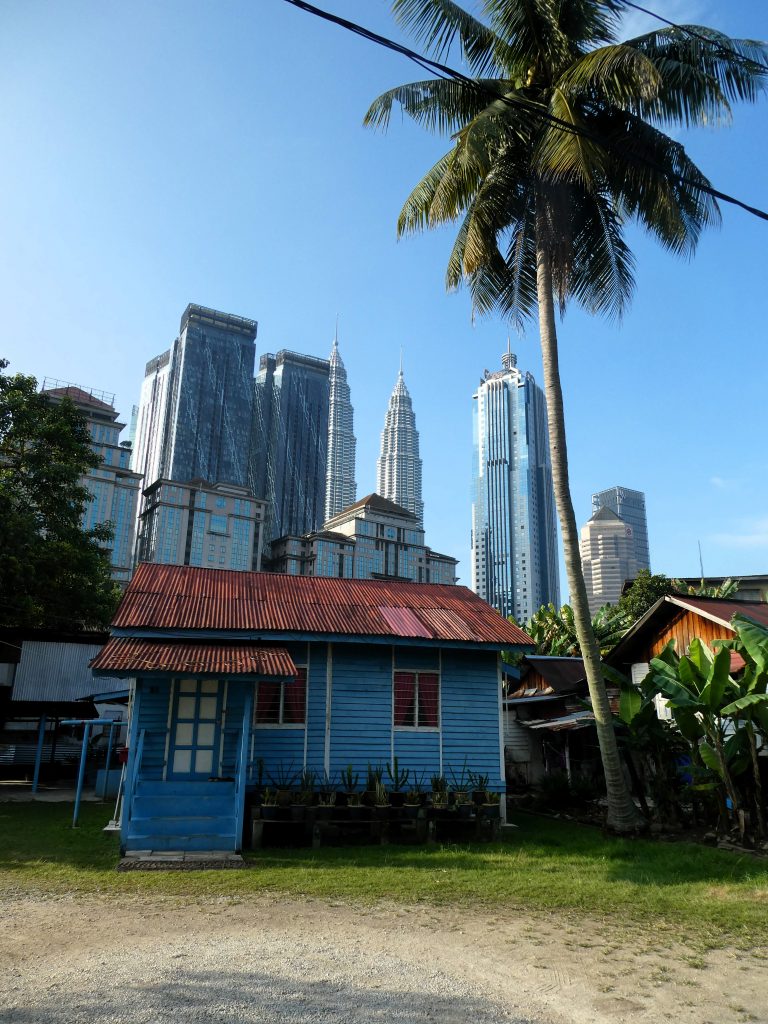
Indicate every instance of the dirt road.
{"type": "Point", "coordinates": [70, 960]}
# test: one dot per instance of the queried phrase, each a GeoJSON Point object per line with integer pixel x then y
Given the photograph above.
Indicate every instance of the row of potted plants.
{"type": "Point", "coordinates": [344, 798]}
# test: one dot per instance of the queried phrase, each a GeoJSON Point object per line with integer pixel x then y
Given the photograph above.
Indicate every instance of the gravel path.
{"type": "Point", "coordinates": [70, 960]}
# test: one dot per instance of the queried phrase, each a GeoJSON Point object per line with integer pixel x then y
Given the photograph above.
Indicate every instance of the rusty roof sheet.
{"type": "Point", "coordinates": [129, 656]}
{"type": "Point", "coordinates": [186, 597]}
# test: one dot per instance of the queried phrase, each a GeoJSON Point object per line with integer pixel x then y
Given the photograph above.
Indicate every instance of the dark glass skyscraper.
{"type": "Point", "coordinates": [629, 506]}
{"type": "Point", "coordinates": [514, 536]}
{"type": "Point", "coordinates": [196, 406]}
{"type": "Point", "coordinates": [290, 441]}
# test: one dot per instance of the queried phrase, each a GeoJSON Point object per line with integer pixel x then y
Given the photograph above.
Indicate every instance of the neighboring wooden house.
{"type": "Point", "coordinates": [680, 618]}
{"type": "Point", "coordinates": [543, 708]}
{"type": "Point", "coordinates": [233, 669]}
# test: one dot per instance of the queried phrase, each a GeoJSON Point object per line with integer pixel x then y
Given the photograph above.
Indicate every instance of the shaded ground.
{"type": "Point", "coordinates": [269, 959]}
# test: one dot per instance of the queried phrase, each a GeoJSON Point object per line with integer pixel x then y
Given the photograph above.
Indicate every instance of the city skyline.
{"type": "Point", "coordinates": [106, 252]}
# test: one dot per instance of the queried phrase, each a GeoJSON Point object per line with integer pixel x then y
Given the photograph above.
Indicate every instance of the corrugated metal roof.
{"type": "Point", "coordinates": [129, 655]}
{"type": "Point", "coordinates": [186, 597]}
{"type": "Point", "coordinates": [58, 672]}
{"type": "Point", "coordinates": [723, 610]}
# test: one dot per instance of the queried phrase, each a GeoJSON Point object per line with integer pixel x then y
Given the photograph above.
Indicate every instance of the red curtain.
{"type": "Point", "coordinates": [268, 702]}
{"type": "Point", "coordinates": [405, 698]}
{"type": "Point", "coordinates": [295, 701]}
{"type": "Point", "coordinates": [428, 697]}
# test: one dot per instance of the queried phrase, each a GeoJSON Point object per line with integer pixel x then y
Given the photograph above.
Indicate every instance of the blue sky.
{"type": "Point", "coordinates": [164, 153]}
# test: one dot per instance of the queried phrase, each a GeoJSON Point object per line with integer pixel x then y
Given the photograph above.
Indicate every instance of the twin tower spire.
{"type": "Point", "coordinates": [398, 465]}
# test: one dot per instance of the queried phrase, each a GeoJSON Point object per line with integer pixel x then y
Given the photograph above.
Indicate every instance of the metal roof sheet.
{"type": "Point", "coordinates": [129, 656]}
{"type": "Point", "coordinates": [187, 597]}
{"type": "Point", "coordinates": [57, 672]}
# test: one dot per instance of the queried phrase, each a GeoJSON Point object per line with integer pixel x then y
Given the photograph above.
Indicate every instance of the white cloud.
{"type": "Point", "coordinates": [753, 533]}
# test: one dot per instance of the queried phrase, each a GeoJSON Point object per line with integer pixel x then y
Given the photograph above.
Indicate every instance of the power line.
{"type": "Point", "coordinates": [445, 72]}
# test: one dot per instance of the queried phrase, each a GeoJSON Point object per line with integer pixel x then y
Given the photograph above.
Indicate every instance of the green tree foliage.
{"type": "Point", "coordinates": [645, 591]}
{"type": "Point", "coordinates": [554, 630]}
{"type": "Point", "coordinates": [558, 143]}
{"type": "Point", "coordinates": [52, 572]}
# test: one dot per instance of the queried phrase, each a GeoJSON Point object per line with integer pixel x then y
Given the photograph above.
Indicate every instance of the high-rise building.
{"type": "Point", "coordinates": [340, 488]}
{"type": "Point", "coordinates": [290, 441]}
{"type": "Point", "coordinates": [514, 536]}
{"type": "Point", "coordinates": [372, 539]}
{"type": "Point", "coordinates": [629, 506]}
{"type": "Point", "coordinates": [196, 403]}
{"type": "Point", "coordinates": [607, 557]}
{"type": "Point", "coordinates": [197, 523]}
{"type": "Point", "coordinates": [399, 465]}
{"type": "Point", "coordinates": [114, 488]}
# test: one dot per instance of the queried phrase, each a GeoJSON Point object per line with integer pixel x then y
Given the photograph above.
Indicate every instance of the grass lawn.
{"type": "Point", "coordinates": [706, 895]}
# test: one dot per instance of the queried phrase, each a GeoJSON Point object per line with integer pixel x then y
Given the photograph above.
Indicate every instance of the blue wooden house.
{"type": "Point", "coordinates": [236, 671]}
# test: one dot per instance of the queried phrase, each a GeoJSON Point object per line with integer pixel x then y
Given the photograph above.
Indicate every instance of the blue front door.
{"type": "Point", "coordinates": [195, 729]}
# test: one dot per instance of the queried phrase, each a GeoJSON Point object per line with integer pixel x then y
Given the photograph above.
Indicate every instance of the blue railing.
{"type": "Point", "coordinates": [242, 770]}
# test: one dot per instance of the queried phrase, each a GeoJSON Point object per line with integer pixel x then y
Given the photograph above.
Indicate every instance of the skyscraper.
{"type": "Point", "coordinates": [289, 452]}
{"type": "Point", "coordinates": [399, 465]}
{"type": "Point", "coordinates": [196, 402]}
{"type": "Point", "coordinates": [340, 488]}
{"type": "Point", "coordinates": [114, 488]}
{"type": "Point", "coordinates": [629, 506]}
{"type": "Point", "coordinates": [607, 557]}
{"type": "Point", "coordinates": [514, 536]}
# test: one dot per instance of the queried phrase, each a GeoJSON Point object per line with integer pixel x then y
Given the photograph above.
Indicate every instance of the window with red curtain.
{"type": "Point", "coordinates": [428, 698]}
{"type": "Point", "coordinates": [295, 698]}
{"type": "Point", "coordinates": [268, 703]}
{"type": "Point", "coordinates": [417, 696]}
{"type": "Point", "coordinates": [282, 703]}
{"type": "Point", "coordinates": [405, 698]}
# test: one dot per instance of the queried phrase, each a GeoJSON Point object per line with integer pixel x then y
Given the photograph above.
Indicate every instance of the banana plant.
{"type": "Point", "coordinates": [698, 687]}
{"type": "Point", "coordinates": [750, 708]}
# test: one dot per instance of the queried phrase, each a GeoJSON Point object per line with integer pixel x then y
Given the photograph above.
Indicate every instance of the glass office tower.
{"type": "Point", "coordinates": [514, 536]}
{"type": "Point", "coordinates": [629, 506]}
{"type": "Point", "coordinates": [289, 451]}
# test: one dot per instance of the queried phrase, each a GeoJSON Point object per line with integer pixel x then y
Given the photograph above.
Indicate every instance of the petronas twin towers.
{"type": "Point", "coordinates": [398, 465]}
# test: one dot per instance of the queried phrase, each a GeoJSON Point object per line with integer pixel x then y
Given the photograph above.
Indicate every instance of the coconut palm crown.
{"type": "Point", "coordinates": [559, 142]}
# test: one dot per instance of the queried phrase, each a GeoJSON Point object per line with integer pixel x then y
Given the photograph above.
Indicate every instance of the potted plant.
{"type": "Point", "coordinates": [439, 789]}
{"type": "Point", "coordinates": [479, 785]}
{"type": "Point", "coordinates": [374, 776]}
{"type": "Point", "coordinates": [459, 784]}
{"type": "Point", "coordinates": [356, 807]}
{"type": "Point", "coordinates": [412, 804]}
{"type": "Point", "coordinates": [269, 808]}
{"type": "Point", "coordinates": [349, 779]}
{"type": "Point", "coordinates": [282, 781]}
{"type": "Point", "coordinates": [381, 800]}
{"type": "Point", "coordinates": [305, 796]}
{"type": "Point", "coordinates": [326, 806]}
{"type": "Point", "coordinates": [399, 780]}
{"type": "Point", "coordinates": [491, 805]}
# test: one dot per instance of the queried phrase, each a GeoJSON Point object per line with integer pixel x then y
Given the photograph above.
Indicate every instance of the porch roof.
{"type": "Point", "coordinates": [127, 656]}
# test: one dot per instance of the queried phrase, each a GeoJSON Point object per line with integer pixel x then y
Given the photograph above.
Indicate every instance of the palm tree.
{"type": "Point", "coordinates": [557, 144]}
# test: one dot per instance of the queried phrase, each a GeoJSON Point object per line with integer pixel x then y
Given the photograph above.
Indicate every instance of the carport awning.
{"type": "Point", "coordinates": [129, 656]}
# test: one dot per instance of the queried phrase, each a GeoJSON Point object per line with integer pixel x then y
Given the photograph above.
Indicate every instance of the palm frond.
{"type": "Point", "coordinates": [436, 24]}
{"type": "Point", "coordinates": [568, 156]}
{"type": "Point", "coordinates": [437, 104]}
{"type": "Point", "coordinates": [701, 76]}
{"type": "Point", "coordinates": [615, 74]}
{"type": "Point", "coordinates": [601, 275]}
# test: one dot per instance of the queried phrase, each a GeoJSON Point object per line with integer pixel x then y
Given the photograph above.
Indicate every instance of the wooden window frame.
{"type": "Point", "coordinates": [418, 728]}
{"type": "Point", "coordinates": [281, 723]}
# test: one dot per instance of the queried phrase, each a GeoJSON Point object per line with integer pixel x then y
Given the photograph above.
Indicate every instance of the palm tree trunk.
{"type": "Point", "coordinates": [758, 781]}
{"type": "Point", "coordinates": [623, 815]}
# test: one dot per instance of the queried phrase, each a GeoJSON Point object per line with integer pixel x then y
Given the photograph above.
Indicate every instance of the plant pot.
{"type": "Point", "coordinates": [411, 811]}
{"type": "Point", "coordinates": [342, 798]}
{"type": "Point", "coordinates": [369, 798]}
{"type": "Point", "coordinates": [466, 811]}
{"type": "Point", "coordinates": [478, 796]}
{"type": "Point", "coordinates": [323, 812]}
{"type": "Point", "coordinates": [283, 798]}
{"type": "Point", "coordinates": [491, 811]}
{"type": "Point", "coordinates": [396, 798]}
{"type": "Point", "coordinates": [458, 797]}
{"type": "Point", "coordinates": [358, 812]}
{"type": "Point", "coordinates": [298, 812]}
